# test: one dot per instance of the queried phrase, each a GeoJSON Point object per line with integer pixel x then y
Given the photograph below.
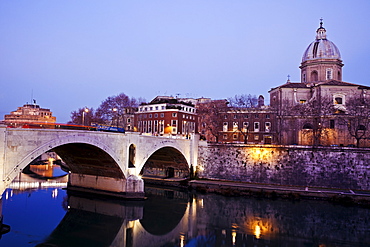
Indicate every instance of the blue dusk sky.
{"type": "Point", "coordinates": [71, 54]}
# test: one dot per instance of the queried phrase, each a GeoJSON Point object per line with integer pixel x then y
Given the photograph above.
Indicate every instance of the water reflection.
{"type": "Point", "coordinates": [178, 218]}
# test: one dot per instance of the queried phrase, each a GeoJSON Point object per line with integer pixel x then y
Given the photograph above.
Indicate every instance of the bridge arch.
{"type": "Point", "coordinates": [166, 161]}
{"type": "Point", "coordinates": [67, 143]}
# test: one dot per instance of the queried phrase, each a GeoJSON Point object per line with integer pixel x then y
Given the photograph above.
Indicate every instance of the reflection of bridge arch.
{"type": "Point", "coordinates": [119, 223]}
{"type": "Point", "coordinates": [163, 210]}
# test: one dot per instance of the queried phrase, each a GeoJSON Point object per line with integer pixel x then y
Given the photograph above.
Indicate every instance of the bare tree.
{"type": "Point", "coordinates": [211, 116]}
{"type": "Point", "coordinates": [356, 117]}
{"type": "Point", "coordinates": [243, 101]}
{"type": "Point", "coordinates": [114, 109]}
{"type": "Point", "coordinates": [241, 104]}
{"type": "Point", "coordinates": [315, 117]}
{"type": "Point", "coordinates": [83, 116]}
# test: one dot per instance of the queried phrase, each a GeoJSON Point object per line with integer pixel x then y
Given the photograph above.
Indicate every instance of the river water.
{"type": "Point", "coordinates": [43, 214]}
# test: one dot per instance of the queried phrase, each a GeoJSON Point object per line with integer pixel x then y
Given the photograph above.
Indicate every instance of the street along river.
{"type": "Point", "coordinates": [46, 215]}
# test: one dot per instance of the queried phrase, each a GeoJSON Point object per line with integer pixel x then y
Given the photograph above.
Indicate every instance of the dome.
{"type": "Point", "coordinates": [321, 48]}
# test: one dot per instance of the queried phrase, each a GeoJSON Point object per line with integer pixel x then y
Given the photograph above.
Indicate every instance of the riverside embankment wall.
{"type": "Point", "coordinates": [328, 167]}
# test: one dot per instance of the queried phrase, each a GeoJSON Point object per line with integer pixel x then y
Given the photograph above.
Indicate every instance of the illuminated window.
{"type": "Point", "coordinates": [235, 126]}
{"type": "Point", "coordinates": [302, 101]}
{"type": "Point", "coordinates": [256, 126]}
{"type": "Point", "coordinates": [267, 126]}
{"type": "Point", "coordinates": [245, 126]}
{"type": "Point", "coordinates": [225, 127]}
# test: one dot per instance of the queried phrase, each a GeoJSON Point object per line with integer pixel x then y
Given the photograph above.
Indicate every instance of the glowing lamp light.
{"type": "Point", "coordinates": [257, 231]}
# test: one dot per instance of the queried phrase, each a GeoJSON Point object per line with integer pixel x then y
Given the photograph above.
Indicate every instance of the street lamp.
{"type": "Point", "coordinates": [115, 115]}
{"type": "Point", "coordinates": [86, 110]}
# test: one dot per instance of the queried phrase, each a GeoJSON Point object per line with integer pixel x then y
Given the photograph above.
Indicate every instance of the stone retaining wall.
{"type": "Point", "coordinates": [330, 167]}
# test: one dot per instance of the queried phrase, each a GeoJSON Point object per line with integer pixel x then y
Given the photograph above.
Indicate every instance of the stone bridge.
{"type": "Point", "coordinates": [100, 162]}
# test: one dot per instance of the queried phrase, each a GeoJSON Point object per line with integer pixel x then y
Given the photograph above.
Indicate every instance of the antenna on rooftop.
{"type": "Point", "coordinates": [288, 81]}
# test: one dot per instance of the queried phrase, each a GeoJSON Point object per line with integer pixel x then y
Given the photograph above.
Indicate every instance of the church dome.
{"type": "Point", "coordinates": [321, 48]}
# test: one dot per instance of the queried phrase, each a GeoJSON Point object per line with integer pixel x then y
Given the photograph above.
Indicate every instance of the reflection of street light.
{"type": "Point", "coordinates": [86, 110]}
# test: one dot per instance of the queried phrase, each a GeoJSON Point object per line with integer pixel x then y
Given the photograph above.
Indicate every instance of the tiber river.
{"type": "Point", "coordinates": [42, 213]}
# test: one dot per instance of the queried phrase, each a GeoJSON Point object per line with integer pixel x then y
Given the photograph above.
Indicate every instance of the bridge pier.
{"type": "Point", "coordinates": [130, 188]}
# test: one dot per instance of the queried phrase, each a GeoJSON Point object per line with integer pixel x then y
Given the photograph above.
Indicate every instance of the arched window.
{"type": "Point", "coordinates": [131, 158]}
{"type": "Point", "coordinates": [361, 127]}
{"type": "Point", "coordinates": [314, 76]}
{"type": "Point", "coordinates": [307, 126]}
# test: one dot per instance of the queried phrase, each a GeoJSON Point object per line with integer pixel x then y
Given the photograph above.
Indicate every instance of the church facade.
{"type": "Point", "coordinates": [321, 109]}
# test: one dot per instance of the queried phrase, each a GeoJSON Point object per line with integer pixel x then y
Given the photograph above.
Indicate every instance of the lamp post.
{"type": "Point", "coordinates": [115, 115]}
{"type": "Point", "coordinates": [86, 110]}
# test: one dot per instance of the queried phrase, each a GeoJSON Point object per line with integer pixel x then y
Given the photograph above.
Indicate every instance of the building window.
{"type": "Point", "coordinates": [150, 115]}
{"type": "Point", "coordinates": [268, 116]}
{"type": "Point", "coordinates": [129, 120]}
{"type": "Point", "coordinates": [332, 124]}
{"type": "Point", "coordinates": [156, 115]}
{"type": "Point", "coordinates": [235, 126]}
{"type": "Point", "coordinates": [267, 126]}
{"type": "Point", "coordinates": [256, 137]}
{"type": "Point", "coordinates": [302, 101]}
{"type": "Point", "coordinates": [162, 114]}
{"type": "Point", "coordinates": [338, 100]}
{"type": "Point", "coordinates": [174, 122]}
{"type": "Point", "coordinates": [225, 136]}
{"type": "Point", "coordinates": [245, 116]}
{"type": "Point", "coordinates": [256, 126]}
{"type": "Point", "coordinates": [235, 116]}
{"type": "Point", "coordinates": [256, 116]}
{"type": "Point", "coordinates": [224, 128]}
{"type": "Point", "coordinates": [225, 116]}
{"type": "Point", "coordinates": [329, 74]}
{"type": "Point", "coordinates": [235, 136]}
{"type": "Point", "coordinates": [307, 126]}
{"type": "Point", "coordinates": [156, 108]}
{"type": "Point", "coordinates": [314, 76]}
{"type": "Point", "coordinates": [174, 114]}
{"type": "Point", "coordinates": [245, 126]}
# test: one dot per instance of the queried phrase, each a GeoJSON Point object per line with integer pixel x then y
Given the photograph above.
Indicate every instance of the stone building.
{"type": "Point", "coordinates": [29, 113]}
{"type": "Point", "coordinates": [321, 109]}
{"type": "Point", "coordinates": [253, 125]}
{"type": "Point", "coordinates": [167, 115]}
